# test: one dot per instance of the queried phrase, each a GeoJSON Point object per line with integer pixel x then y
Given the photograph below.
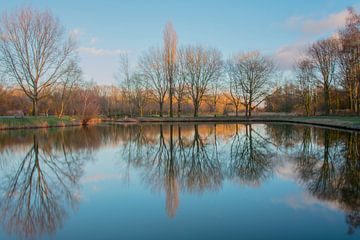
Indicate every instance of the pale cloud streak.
{"type": "Point", "coordinates": [310, 29]}
{"type": "Point", "coordinates": [94, 40]}
{"type": "Point", "coordinates": [76, 33]}
{"type": "Point", "coordinates": [99, 52]}
{"type": "Point", "coordinates": [310, 26]}
{"type": "Point", "coordinates": [287, 55]}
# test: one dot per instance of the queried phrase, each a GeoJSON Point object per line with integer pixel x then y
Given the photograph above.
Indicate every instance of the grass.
{"type": "Point", "coordinates": [36, 122]}
{"type": "Point", "coordinates": [335, 119]}
{"type": "Point", "coordinates": [344, 122]}
{"type": "Point", "coordinates": [53, 121]}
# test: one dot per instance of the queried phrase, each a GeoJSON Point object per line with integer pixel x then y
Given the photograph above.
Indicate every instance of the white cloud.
{"type": "Point", "coordinates": [287, 55]}
{"type": "Point", "coordinates": [310, 29]}
{"type": "Point", "coordinates": [76, 33]}
{"type": "Point", "coordinates": [99, 52]}
{"type": "Point", "coordinates": [332, 22]}
{"type": "Point", "coordinates": [304, 201]}
{"type": "Point", "coordinates": [94, 40]}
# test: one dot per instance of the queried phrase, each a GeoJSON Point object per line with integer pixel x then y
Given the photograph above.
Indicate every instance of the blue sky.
{"type": "Point", "coordinates": [278, 28]}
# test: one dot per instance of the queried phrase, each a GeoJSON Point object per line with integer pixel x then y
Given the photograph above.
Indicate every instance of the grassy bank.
{"type": "Point", "coordinates": [344, 122]}
{"type": "Point", "coordinates": [37, 122]}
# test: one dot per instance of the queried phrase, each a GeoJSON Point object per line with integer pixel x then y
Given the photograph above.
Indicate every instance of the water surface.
{"type": "Point", "coordinates": [180, 181]}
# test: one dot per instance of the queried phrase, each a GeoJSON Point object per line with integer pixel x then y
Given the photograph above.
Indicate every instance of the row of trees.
{"type": "Point", "coordinates": [333, 64]}
{"type": "Point", "coordinates": [38, 59]}
{"type": "Point", "coordinates": [38, 62]}
{"type": "Point", "coordinates": [197, 74]}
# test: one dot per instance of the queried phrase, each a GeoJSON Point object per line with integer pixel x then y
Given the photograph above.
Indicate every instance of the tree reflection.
{"type": "Point", "coordinates": [250, 157]}
{"type": "Point", "coordinates": [202, 169]}
{"type": "Point", "coordinates": [186, 158]}
{"type": "Point", "coordinates": [330, 169]}
{"type": "Point", "coordinates": [39, 188]}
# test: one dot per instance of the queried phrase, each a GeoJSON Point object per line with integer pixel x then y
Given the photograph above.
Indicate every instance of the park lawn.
{"type": "Point", "coordinates": [338, 120]}
{"type": "Point", "coordinates": [37, 122]}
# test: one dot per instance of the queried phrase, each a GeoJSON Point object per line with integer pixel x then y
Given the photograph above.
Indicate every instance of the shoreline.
{"type": "Point", "coordinates": [14, 123]}
{"type": "Point", "coordinates": [336, 122]}
{"type": "Point", "coordinates": [39, 127]}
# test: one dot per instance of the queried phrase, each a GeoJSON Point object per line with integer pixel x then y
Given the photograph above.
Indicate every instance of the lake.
{"type": "Point", "coordinates": [180, 181]}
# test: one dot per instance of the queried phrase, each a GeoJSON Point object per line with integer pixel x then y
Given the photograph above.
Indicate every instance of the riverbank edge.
{"type": "Point", "coordinates": [43, 122]}
{"type": "Point", "coordinates": [39, 126]}
{"type": "Point", "coordinates": [330, 122]}
{"type": "Point", "coordinates": [337, 123]}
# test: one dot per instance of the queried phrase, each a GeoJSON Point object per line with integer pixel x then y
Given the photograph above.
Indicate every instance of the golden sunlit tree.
{"type": "Point", "coordinates": [170, 42]}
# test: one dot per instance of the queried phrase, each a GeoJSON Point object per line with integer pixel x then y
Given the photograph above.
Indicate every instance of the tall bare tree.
{"type": "Point", "coordinates": [68, 82]}
{"type": "Point", "coordinates": [305, 77]}
{"type": "Point", "coordinates": [34, 52]}
{"type": "Point", "coordinates": [323, 55]}
{"type": "Point", "coordinates": [124, 78]}
{"type": "Point", "coordinates": [180, 80]}
{"type": "Point", "coordinates": [349, 59]}
{"type": "Point", "coordinates": [235, 93]}
{"type": "Point", "coordinates": [252, 73]}
{"type": "Point", "coordinates": [139, 93]}
{"type": "Point", "coordinates": [170, 42]}
{"type": "Point", "coordinates": [152, 70]}
{"type": "Point", "coordinates": [203, 67]}
{"type": "Point", "coordinates": [214, 96]}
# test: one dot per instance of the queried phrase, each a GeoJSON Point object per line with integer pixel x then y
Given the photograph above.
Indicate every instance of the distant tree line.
{"type": "Point", "coordinates": [40, 74]}
{"type": "Point", "coordinates": [327, 77]}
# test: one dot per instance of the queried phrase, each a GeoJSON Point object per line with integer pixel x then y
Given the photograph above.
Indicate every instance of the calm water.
{"type": "Point", "coordinates": [206, 181]}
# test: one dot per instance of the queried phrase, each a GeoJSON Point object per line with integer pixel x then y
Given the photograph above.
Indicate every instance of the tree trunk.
{"type": "Point", "coordinates": [141, 112]}
{"type": "Point", "coordinates": [357, 86]}
{"type": "Point", "coordinates": [351, 100]}
{"type": "Point", "coordinates": [161, 106]}
{"type": "Point", "coordinates": [61, 110]}
{"type": "Point", "coordinates": [196, 109]}
{"type": "Point", "coordinates": [236, 110]}
{"type": "Point", "coordinates": [171, 98]}
{"type": "Point", "coordinates": [327, 99]}
{"type": "Point", "coordinates": [215, 109]}
{"type": "Point", "coordinates": [35, 108]}
{"type": "Point", "coordinates": [179, 108]}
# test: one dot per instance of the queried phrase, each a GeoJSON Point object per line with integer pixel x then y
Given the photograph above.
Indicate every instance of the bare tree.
{"type": "Point", "coordinates": [323, 55]}
{"type": "Point", "coordinates": [305, 77]}
{"type": "Point", "coordinates": [203, 67]}
{"type": "Point", "coordinates": [214, 96]}
{"type": "Point", "coordinates": [252, 72]}
{"type": "Point", "coordinates": [62, 95]}
{"type": "Point", "coordinates": [152, 70]}
{"type": "Point", "coordinates": [85, 102]}
{"type": "Point", "coordinates": [180, 80]}
{"type": "Point", "coordinates": [139, 94]}
{"type": "Point", "coordinates": [235, 94]}
{"type": "Point", "coordinates": [170, 42]}
{"type": "Point", "coordinates": [349, 59]}
{"type": "Point", "coordinates": [124, 78]}
{"type": "Point", "coordinates": [34, 52]}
